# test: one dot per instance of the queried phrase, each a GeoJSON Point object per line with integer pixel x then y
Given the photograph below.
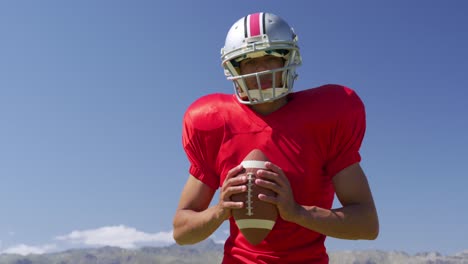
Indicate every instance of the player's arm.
{"type": "Point", "coordinates": [194, 220]}
{"type": "Point", "coordinates": [356, 219]}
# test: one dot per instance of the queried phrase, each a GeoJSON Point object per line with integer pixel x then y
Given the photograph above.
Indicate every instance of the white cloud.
{"type": "Point", "coordinates": [23, 249]}
{"type": "Point", "coordinates": [118, 236]}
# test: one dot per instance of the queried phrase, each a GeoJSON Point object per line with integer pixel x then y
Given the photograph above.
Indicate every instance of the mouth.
{"type": "Point", "coordinates": [265, 84]}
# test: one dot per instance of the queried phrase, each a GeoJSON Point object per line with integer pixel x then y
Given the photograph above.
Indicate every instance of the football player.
{"type": "Point", "coordinates": [311, 137]}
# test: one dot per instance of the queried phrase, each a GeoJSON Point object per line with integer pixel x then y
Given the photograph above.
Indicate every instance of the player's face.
{"type": "Point", "coordinates": [262, 64]}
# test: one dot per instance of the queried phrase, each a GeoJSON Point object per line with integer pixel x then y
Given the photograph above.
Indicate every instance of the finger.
{"type": "Point", "coordinates": [267, 174]}
{"type": "Point", "coordinates": [228, 191]}
{"type": "Point", "coordinates": [271, 176]}
{"type": "Point", "coordinates": [268, 185]}
{"type": "Point", "coordinates": [231, 178]}
{"type": "Point", "coordinates": [273, 167]}
{"type": "Point", "coordinates": [232, 205]}
{"type": "Point", "coordinates": [235, 189]}
{"type": "Point", "coordinates": [268, 199]}
{"type": "Point", "coordinates": [234, 171]}
{"type": "Point", "coordinates": [234, 181]}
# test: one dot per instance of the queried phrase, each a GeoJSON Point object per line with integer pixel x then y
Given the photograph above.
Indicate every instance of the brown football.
{"type": "Point", "coordinates": [257, 218]}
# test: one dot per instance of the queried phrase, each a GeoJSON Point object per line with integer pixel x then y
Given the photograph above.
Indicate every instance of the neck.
{"type": "Point", "coordinates": [270, 107]}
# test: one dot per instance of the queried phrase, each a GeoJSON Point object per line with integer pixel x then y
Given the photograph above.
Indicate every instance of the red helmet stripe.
{"type": "Point", "coordinates": [254, 24]}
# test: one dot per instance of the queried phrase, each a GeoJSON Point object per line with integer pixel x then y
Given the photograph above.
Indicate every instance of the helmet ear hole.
{"type": "Point", "coordinates": [234, 63]}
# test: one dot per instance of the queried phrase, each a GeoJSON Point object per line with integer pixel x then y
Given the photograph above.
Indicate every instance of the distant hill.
{"type": "Point", "coordinates": [208, 252]}
{"type": "Point", "coordinates": [394, 257]}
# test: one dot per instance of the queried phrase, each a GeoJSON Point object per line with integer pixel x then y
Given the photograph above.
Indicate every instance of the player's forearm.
{"type": "Point", "coordinates": [358, 221]}
{"type": "Point", "coordinates": [191, 227]}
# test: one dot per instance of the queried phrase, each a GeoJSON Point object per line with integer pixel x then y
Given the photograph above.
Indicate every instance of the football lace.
{"type": "Point", "coordinates": [250, 178]}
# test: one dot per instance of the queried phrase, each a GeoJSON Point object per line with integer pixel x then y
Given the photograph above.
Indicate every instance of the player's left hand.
{"type": "Point", "coordinates": [275, 180]}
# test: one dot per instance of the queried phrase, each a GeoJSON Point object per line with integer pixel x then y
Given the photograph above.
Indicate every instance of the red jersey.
{"type": "Point", "coordinates": [312, 138]}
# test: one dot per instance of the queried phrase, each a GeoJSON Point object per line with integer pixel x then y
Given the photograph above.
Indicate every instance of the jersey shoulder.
{"type": "Point", "coordinates": [333, 99]}
{"type": "Point", "coordinates": [208, 112]}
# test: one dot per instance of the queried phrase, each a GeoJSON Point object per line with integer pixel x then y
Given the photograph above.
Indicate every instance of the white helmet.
{"type": "Point", "coordinates": [254, 36]}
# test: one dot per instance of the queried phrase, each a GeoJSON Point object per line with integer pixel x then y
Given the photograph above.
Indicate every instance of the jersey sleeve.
{"type": "Point", "coordinates": [201, 138]}
{"type": "Point", "coordinates": [347, 135]}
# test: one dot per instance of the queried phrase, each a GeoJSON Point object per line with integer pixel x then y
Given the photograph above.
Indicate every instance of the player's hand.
{"type": "Point", "coordinates": [275, 180]}
{"type": "Point", "coordinates": [231, 185]}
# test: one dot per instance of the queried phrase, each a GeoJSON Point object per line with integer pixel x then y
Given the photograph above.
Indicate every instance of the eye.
{"type": "Point", "coordinates": [275, 60]}
{"type": "Point", "coordinates": [247, 62]}
{"type": "Point", "coordinates": [272, 59]}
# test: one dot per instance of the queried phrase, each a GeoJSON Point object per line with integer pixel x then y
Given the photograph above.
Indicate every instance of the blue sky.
{"type": "Point", "coordinates": [92, 95]}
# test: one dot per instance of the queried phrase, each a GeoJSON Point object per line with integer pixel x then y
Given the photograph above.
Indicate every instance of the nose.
{"type": "Point", "coordinates": [261, 65]}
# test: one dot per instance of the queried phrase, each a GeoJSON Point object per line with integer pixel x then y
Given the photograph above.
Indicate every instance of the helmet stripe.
{"type": "Point", "coordinates": [263, 23]}
{"type": "Point", "coordinates": [246, 34]}
{"type": "Point", "coordinates": [254, 25]}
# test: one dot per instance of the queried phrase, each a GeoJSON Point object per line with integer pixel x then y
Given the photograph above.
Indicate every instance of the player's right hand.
{"type": "Point", "coordinates": [231, 185]}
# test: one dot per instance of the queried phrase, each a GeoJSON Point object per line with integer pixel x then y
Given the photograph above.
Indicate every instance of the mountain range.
{"type": "Point", "coordinates": [208, 252]}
